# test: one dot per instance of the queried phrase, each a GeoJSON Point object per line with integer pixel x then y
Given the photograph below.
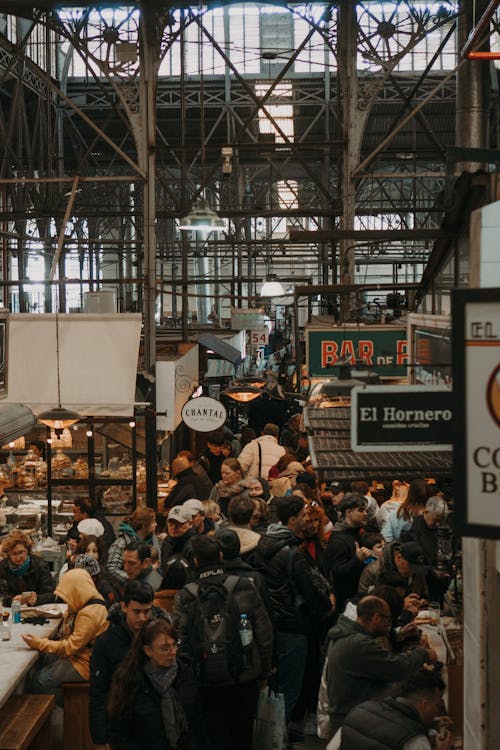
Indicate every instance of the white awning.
{"type": "Point", "coordinates": [97, 362]}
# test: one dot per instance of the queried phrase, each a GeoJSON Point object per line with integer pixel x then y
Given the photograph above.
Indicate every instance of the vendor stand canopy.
{"type": "Point", "coordinates": [15, 420]}
{"type": "Point", "coordinates": [332, 457]}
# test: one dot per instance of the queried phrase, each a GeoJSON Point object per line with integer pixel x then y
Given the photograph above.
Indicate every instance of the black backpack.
{"type": "Point", "coordinates": [214, 633]}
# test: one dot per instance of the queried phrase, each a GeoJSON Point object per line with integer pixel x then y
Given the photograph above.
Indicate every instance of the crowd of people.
{"type": "Point", "coordinates": [254, 574]}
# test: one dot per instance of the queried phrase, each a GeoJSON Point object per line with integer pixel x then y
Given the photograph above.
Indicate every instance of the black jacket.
{"type": "Point", "coordinates": [341, 564]}
{"type": "Point", "coordinates": [38, 578]}
{"type": "Point", "coordinates": [248, 601]}
{"type": "Point", "coordinates": [181, 546]}
{"type": "Point", "coordinates": [108, 652]}
{"type": "Point", "coordinates": [211, 463]}
{"type": "Point", "coordinates": [143, 729]}
{"type": "Point", "coordinates": [237, 567]}
{"type": "Point", "coordinates": [423, 536]}
{"type": "Point", "coordinates": [296, 599]}
{"type": "Point", "coordinates": [360, 669]}
{"type": "Point", "coordinates": [381, 725]}
{"type": "Point", "coordinates": [189, 485]}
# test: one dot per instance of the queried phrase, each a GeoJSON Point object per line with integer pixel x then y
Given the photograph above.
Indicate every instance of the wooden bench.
{"type": "Point", "coordinates": [76, 731]}
{"type": "Point", "coordinates": [25, 722]}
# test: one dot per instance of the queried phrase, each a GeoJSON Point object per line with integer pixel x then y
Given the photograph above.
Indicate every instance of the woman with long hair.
{"type": "Point", "coordinates": [138, 527]}
{"type": "Point", "coordinates": [229, 485]}
{"type": "Point", "coordinates": [401, 517]}
{"type": "Point", "coordinates": [153, 696]}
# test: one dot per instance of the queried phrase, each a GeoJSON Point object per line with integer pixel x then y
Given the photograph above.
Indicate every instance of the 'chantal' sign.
{"type": "Point", "coordinates": [402, 418]}
{"type": "Point", "coordinates": [203, 414]}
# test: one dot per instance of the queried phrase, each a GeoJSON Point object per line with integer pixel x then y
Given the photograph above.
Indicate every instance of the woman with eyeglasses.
{"type": "Point", "coordinates": [153, 697]}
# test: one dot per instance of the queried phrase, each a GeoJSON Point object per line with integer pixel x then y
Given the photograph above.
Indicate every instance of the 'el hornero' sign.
{"type": "Point", "coordinates": [403, 418]}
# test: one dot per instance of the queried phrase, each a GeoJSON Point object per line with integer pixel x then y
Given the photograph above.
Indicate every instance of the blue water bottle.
{"type": "Point", "coordinates": [15, 612]}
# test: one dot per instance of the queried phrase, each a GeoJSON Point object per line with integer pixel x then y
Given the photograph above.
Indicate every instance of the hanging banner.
{"type": "Point", "coordinates": [383, 349]}
{"type": "Point", "coordinates": [476, 386]}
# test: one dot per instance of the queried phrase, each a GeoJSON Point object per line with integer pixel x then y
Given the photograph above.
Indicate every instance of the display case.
{"type": "Point", "coordinates": [113, 488]}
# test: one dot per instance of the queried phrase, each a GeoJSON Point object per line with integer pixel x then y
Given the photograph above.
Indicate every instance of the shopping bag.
{"type": "Point", "coordinates": [270, 723]}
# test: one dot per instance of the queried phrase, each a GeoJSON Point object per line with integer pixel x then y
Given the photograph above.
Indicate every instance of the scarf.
{"type": "Point", "coordinates": [174, 719]}
{"type": "Point", "coordinates": [20, 570]}
{"type": "Point", "coordinates": [225, 490]}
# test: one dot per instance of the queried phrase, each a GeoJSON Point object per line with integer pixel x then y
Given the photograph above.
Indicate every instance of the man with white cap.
{"type": "Point", "coordinates": [179, 537]}
{"type": "Point", "coordinates": [201, 523]}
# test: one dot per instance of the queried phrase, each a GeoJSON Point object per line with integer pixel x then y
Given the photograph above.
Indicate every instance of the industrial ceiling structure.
{"type": "Point", "coordinates": [319, 132]}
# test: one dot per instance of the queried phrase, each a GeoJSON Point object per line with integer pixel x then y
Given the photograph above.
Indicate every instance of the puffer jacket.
{"type": "Point", "coordinates": [247, 601]}
{"type": "Point", "coordinates": [82, 624]}
{"type": "Point", "coordinates": [382, 725]}
{"type": "Point", "coordinates": [109, 650]}
{"type": "Point", "coordinates": [37, 578]}
{"type": "Point", "coordinates": [271, 452]}
{"type": "Point", "coordinates": [360, 669]}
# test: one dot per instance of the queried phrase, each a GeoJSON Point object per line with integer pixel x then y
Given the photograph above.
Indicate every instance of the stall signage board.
{"type": "Point", "coordinates": [383, 349]}
{"type": "Point", "coordinates": [203, 414]}
{"type": "Point", "coordinates": [401, 418]}
{"type": "Point", "coordinates": [476, 387]}
{"type": "Point", "coordinates": [259, 337]}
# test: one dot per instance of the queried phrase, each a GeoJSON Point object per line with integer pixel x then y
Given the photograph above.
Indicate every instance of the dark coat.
{"type": "Point", "coordinates": [143, 729]}
{"type": "Point", "coordinates": [38, 578]}
{"type": "Point", "coordinates": [248, 601]}
{"type": "Point", "coordinates": [342, 566]}
{"type": "Point", "coordinates": [359, 668]}
{"type": "Point", "coordinates": [381, 725]}
{"type": "Point", "coordinates": [211, 463]}
{"type": "Point", "coordinates": [189, 485]}
{"type": "Point", "coordinates": [108, 652]}
{"type": "Point", "coordinates": [296, 599]}
{"type": "Point", "coordinates": [181, 546]}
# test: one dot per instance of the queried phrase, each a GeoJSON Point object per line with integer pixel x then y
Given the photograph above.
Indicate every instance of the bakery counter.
{"type": "Point", "coordinates": [15, 656]}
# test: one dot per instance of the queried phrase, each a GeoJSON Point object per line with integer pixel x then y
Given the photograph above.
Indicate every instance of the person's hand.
{"type": "Point", "coordinates": [362, 552]}
{"type": "Point", "coordinates": [411, 603]}
{"type": "Point", "coordinates": [333, 601]}
{"type": "Point", "coordinates": [445, 741]}
{"type": "Point", "coordinates": [29, 640]}
{"type": "Point", "coordinates": [408, 631]}
{"type": "Point", "coordinates": [29, 597]}
{"type": "Point", "coordinates": [102, 747]}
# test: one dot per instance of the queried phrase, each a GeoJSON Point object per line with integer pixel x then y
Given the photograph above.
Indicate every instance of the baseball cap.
{"type": "Point", "coordinates": [194, 506]}
{"type": "Point", "coordinates": [90, 527]}
{"type": "Point", "coordinates": [412, 553]}
{"type": "Point", "coordinates": [180, 514]}
{"type": "Point", "coordinates": [88, 563]}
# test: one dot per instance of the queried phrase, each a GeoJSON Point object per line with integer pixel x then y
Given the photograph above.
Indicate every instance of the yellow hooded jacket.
{"type": "Point", "coordinates": [82, 624]}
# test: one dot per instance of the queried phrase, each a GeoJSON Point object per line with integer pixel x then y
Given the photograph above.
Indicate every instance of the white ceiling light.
{"type": "Point", "coordinates": [202, 219]}
{"type": "Point", "coordinates": [272, 287]}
